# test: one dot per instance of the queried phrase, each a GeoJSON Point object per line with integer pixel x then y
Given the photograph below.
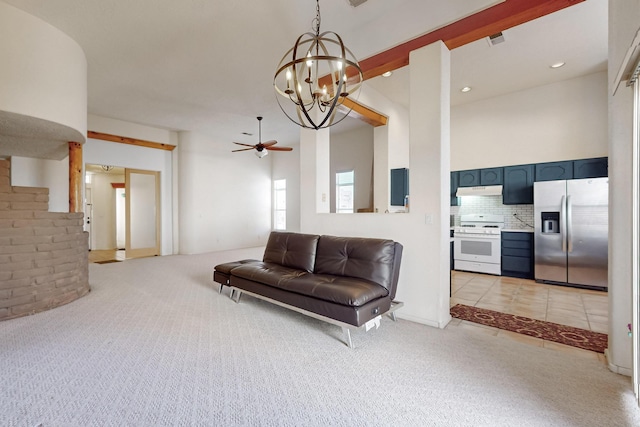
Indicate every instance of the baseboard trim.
{"type": "Point", "coordinates": [617, 369]}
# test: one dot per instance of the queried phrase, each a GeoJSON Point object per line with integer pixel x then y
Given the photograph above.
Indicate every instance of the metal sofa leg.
{"type": "Point", "coordinates": [347, 336]}
{"type": "Point", "coordinates": [237, 293]}
{"type": "Point", "coordinates": [393, 316]}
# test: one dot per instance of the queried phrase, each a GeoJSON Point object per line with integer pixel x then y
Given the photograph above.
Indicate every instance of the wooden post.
{"type": "Point", "coordinates": [75, 177]}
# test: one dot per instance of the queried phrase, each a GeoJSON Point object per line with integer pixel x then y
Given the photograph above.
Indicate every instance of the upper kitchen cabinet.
{"type": "Point", "coordinates": [399, 186]}
{"type": "Point", "coordinates": [454, 188]}
{"type": "Point", "coordinates": [591, 168]}
{"type": "Point", "coordinates": [553, 171]}
{"type": "Point", "coordinates": [469, 178]}
{"type": "Point", "coordinates": [518, 185]}
{"type": "Point", "coordinates": [491, 176]}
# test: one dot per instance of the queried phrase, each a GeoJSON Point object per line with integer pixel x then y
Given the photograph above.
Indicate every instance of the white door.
{"type": "Point", "coordinates": [142, 189]}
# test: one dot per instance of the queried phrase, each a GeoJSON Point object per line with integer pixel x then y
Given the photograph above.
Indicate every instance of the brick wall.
{"type": "Point", "coordinates": [43, 255]}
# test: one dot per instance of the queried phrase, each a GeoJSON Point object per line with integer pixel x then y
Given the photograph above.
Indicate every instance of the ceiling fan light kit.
{"type": "Point", "coordinates": [315, 76]}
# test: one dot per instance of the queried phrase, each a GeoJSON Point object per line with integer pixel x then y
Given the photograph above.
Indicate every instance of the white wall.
{"type": "Point", "coordinates": [225, 197]}
{"type": "Point", "coordinates": [134, 157]}
{"type": "Point", "coordinates": [353, 150]}
{"type": "Point", "coordinates": [52, 174]}
{"type": "Point", "coordinates": [624, 18]}
{"type": "Point", "coordinates": [286, 165]}
{"type": "Point", "coordinates": [424, 284]}
{"type": "Point", "coordinates": [43, 72]}
{"type": "Point", "coordinates": [391, 145]}
{"type": "Point", "coordinates": [561, 121]}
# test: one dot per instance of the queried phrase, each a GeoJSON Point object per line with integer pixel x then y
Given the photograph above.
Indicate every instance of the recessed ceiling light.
{"type": "Point", "coordinates": [465, 89]}
{"type": "Point", "coordinates": [557, 65]}
{"type": "Point", "coordinates": [387, 73]}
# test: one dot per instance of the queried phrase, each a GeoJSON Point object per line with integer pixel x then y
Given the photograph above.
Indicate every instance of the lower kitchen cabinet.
{"type": "Point", "coordinates": [517, 254]}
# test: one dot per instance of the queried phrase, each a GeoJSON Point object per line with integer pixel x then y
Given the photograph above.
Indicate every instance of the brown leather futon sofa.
{"type": "Point", "coordinates": [347, 281]}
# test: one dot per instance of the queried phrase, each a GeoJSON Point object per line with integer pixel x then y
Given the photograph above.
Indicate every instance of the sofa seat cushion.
{"type": "Point", "coordinates": [267, 273]}
{"type": "Point", "coordinates": [228, 266]}
{"type": "Point", "coordinates": [342, 290]}
{"type": "Point", "coordinates": [348, 291]}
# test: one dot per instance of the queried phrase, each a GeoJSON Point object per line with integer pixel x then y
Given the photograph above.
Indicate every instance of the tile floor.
{"type": "Point", "coordinates": [106, 255]}
{"type": "Point", "coordinates": [580, 308]}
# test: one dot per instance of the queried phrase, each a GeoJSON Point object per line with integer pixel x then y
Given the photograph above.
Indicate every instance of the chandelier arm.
{"type": "Point", "coordinates": [332, 109]}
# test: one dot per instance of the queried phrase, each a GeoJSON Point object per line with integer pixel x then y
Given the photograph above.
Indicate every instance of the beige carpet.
{"type": "Point", "coordinates": [154, 344]}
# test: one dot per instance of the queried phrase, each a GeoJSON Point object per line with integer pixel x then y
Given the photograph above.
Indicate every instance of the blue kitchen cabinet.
{"type": "Point", "coordinates": [399, 186]}
{"type": "Point", "coordinates": [469, 178]}
{"type": "Point", "coordinates": [517, 255]}
{"type": "Point", "coordinates": [591, 168]}
{"type": "Point", "coordinates": [553, 171]}
{"type": "Point", "coordinates": [491, 176]}
{"type": "Point", "coordinates": [518, 185]}
{"type": "Point", "coordinates": [454, 189]}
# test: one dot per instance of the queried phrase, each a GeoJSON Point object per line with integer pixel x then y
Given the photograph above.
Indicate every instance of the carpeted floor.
{"type": "Point", "coordinates": [154, 344]}
{"type": "Point", "coordinates": [576, 337]}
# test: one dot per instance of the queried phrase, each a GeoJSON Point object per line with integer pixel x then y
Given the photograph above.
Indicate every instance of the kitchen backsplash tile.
{"type": "Point", "coordinates": [493, 205]}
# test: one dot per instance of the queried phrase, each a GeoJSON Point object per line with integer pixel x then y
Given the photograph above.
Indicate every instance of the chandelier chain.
{"type": "Point", "coordinates": [316, 21]}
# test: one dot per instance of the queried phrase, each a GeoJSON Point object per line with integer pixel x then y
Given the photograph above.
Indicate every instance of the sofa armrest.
{"type": "Point", "coordinates": [397, 257]}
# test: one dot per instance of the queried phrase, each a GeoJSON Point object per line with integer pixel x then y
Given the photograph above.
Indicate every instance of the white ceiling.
{"type": "Point", "coordinates": [208, 66]}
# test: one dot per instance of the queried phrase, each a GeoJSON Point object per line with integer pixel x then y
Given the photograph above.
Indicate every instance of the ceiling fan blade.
{"type": "Point", "coordinates": [270, 143]}
{"type": "Point", "coordinates": [279, 148]}
{"type": "Point", "coordinates": [246, 145]}
{"type": "Point", "coordinates": [242, 149]}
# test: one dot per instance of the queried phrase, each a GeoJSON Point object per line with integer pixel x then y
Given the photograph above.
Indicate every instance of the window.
{"type": "Point", "coordinates": [344, 192]}
{"type": "Point", "coordinates": [280, 204]}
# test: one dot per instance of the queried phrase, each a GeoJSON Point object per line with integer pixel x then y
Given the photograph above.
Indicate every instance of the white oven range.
{"type": "Point", "coordinates": [476, 243]}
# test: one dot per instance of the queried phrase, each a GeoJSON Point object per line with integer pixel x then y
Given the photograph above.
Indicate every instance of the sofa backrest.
{"type": "Point", "coordinates": [375, 260]}
{"type": "Point", "coordinates": [293, 250]}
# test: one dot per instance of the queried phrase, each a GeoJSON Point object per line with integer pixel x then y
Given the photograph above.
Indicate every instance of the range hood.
{"type": "Point", "coordinates": [484, 190]}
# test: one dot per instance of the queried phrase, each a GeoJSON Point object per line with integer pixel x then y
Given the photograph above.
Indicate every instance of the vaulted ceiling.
{"type": "Point", "coordinates": [208, 66]}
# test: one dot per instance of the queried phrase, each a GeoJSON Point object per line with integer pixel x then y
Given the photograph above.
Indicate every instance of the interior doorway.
{"type": "Point", "coordinates": [123, 212]}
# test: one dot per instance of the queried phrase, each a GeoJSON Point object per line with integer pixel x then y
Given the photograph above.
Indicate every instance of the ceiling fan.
{"type": "Point", "coordinates": [262, 149]}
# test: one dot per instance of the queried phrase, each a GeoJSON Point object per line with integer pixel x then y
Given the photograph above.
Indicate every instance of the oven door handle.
{"type": "Point", "coordinates": [563, 223]}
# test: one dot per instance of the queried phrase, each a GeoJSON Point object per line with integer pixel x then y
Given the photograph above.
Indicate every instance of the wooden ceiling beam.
{"type": "Point", "coordinates": [364, 113]}
{"type": "Point", "coordinates": [130, 141]}
{"type": "Point", "coordinates": [500, 17]}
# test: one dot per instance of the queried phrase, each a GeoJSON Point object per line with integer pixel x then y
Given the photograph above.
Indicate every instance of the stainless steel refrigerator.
{"type": "Point", "coordinates": [571, 226]}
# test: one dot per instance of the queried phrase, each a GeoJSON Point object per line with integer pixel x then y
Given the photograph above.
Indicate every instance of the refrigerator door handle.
{"type": "Point", "coordinates": [563, 224]}
{"type": "Point", "coordinates": [569, 226]}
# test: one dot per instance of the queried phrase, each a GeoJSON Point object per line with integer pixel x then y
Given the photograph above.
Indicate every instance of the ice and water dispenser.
{"type": "Point", "coordinates": [550, 222]}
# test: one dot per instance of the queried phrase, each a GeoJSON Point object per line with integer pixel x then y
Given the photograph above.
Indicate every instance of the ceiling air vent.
{"type": "Point", "coordinates": [495, 39]}
{"type": "Point", "coordinates": [355, 3]}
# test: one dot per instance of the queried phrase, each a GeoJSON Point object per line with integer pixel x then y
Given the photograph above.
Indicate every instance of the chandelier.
{"type": "Point", "coordinates": [315, 76]}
